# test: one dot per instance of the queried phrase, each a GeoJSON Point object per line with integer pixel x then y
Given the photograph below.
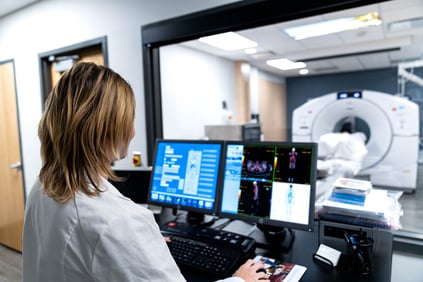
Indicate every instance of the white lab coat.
{"type": "Point", "coordinates": [104, 238]}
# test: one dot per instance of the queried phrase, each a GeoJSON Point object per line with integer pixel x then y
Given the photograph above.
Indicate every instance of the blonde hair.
{"type": "Point", "coordinates": [88, 118]}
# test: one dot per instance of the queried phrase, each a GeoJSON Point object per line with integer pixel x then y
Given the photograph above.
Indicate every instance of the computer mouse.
{"type": "Point", "coordinates": [261, 270]}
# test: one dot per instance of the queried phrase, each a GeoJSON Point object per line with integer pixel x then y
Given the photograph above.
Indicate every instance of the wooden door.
{"type": "Point", "coordinates": [11, 179]}
{"type": "Point", "coordinates": [93, 55]}
{"type": "Point", "coordinates": [272, 110]}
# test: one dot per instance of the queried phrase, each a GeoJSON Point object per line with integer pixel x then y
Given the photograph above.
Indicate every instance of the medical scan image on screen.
{"type": "Point", "coordinates": [269, 183]}
{"type": "Point", "coordinates": [185, 175]}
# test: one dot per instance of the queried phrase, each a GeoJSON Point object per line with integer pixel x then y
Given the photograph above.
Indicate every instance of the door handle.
{"type": "Point", "coordinates": [16, 165]}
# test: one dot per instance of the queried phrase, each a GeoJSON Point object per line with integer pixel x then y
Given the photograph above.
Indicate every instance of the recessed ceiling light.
{"type": "Point", "coordinates": [333, 26]}
{"type": "Point", "coordinates": [303, 71]}
{"type": "Point", "coordinates": [228, 41]}
{"type": "Point", "coordinates": [285, 64]}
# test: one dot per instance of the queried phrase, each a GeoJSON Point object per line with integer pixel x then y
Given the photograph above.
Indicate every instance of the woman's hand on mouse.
{"type": "Point", "coordinates": [249, 271]}
{"type": "Point", "coordinates": [167, 239]}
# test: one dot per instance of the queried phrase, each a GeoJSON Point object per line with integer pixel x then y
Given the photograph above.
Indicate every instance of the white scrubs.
{"type": "Point", "coordinates": [104, 238]}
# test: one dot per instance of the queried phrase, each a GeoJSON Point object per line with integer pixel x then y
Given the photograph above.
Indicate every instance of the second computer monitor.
{"type": "Point", "coordinates": [270, 183]}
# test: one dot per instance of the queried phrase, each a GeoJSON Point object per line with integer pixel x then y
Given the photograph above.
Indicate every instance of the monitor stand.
{"type": "Point", "coordinates": [267, 236]}
{"type": "Point", "coordinates": [198, 219]}
{"type": "Point", "coordinates": [195, 218]}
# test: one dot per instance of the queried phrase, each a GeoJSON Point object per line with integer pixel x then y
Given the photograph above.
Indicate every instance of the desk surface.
{"type": "Point", "coordinates": [306, 243]}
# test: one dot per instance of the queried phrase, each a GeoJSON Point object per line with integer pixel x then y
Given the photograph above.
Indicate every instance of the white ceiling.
{"type": "Point", "coordinates": [342, 52]}
{"type": "Point", "coordinates": [9, 6]}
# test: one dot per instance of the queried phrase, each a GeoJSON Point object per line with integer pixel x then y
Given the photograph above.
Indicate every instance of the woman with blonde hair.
{"type": "Point", "coordinates": [79, 227]}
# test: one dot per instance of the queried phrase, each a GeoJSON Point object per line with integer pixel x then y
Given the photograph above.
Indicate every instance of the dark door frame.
{"type": "Point", "coordinates": [45, 61]}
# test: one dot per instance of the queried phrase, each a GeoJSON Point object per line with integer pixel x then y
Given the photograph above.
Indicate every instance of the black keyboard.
{"type": "Point", "coordinates": [207, 250]}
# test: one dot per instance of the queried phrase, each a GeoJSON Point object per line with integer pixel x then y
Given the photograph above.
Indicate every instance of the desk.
{"type": "Point", "coordinates": [306, 243]}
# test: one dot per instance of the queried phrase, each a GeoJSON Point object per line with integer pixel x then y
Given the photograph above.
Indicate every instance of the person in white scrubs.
{"type": "Point", "coordinates": [79, 227]}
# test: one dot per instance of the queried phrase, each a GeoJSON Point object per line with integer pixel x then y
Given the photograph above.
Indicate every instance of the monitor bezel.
{"type": "Point", "coordinates": [182, 207]}
{"type": "Point", "coordinates": [269, 222]}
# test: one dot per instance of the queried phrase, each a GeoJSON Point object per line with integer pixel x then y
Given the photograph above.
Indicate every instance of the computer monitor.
{"type": "Point", "coordinates": [186, 176]}
{"type": "Point", "coordinates": [271, 184]}
{"type": "Point", "coordinates": [134, 184]}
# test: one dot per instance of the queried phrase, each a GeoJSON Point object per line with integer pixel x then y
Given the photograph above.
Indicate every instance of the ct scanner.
{"type": "Point", "coordinates": [391, 125]}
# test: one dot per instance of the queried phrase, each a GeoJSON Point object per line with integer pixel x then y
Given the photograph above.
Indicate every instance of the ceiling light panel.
{"type": "Point", "coordinates": [285, 64]}
{"type": "Point", "coordinates": [228, 41]}
{"type": "Point", "coordinates": [333, 26]}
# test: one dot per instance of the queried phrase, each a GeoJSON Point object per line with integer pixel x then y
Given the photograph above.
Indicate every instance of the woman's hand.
{"type": "Point", "coordinates": [249, 271]}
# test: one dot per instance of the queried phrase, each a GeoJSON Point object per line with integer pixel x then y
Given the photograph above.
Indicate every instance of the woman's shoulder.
{"type": "Point", "coordinates": [107, 207]}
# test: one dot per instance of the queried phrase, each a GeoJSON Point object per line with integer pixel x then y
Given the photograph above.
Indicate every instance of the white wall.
{"type": "Point", "coordinates": [194, 84]}
{"type": "Point", "coordinates": [49, 25]}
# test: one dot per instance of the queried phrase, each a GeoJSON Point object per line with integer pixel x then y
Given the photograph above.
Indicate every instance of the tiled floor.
{"type": "Point", "coordinates": [10, 265]}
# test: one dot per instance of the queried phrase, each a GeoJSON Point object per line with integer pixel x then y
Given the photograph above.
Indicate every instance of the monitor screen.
{"type": "Point", "coordinates": [270, 183]}
{"type": "Point", "coordinates": [185, 175]}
